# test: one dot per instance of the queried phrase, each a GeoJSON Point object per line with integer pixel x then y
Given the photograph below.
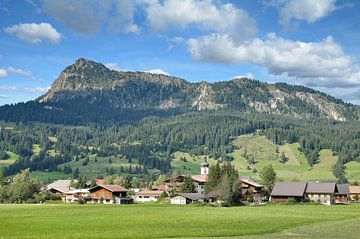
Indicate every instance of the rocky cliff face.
{"type": "Point", "coordinates": [138, 90]}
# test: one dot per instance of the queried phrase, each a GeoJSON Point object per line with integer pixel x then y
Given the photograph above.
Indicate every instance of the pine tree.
{"type": "Point", "coordinates": [213, 177]}
{"type": "Point", "coordinates": [283, 158]}
{"type": "Point", "coordinates": [268, 177]}
{"type": "Point", "coordinates": [188, 186]}
{"type": "Point", "coordinates": [76, 173]}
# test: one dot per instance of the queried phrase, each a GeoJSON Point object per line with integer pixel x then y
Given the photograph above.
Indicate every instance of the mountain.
{"type": "Point", "coordinates": [87, 92]}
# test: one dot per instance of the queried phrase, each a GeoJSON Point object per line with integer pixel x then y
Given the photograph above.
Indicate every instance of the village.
{"type": "Point", "coordinates": [170, 191]}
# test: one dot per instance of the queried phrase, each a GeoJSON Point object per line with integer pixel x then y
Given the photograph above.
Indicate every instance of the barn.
{"type": "Point", "coordinates": [186, 198]}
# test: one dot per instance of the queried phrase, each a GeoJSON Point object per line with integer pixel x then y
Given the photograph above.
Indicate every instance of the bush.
{"type": "Point", "coordinates": [3, 155]}
{"type": "Point", "coordinates": [292, 201]}
{"type": "Point", "coordinates": [81, 201]}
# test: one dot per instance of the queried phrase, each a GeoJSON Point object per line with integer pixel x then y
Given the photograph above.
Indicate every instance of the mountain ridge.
{"type": "Point", "coordinates": [90, 85]}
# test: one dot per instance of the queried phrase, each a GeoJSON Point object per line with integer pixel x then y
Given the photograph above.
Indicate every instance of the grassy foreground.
{"type": "Point", "coordinates": [168, 221]}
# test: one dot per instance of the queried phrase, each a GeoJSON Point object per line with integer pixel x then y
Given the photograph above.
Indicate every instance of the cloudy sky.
{"type": "Point", "coordinates": [307, 42]}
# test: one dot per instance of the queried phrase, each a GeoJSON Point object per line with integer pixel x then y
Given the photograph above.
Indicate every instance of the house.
{"type": "Point", "coordinates": [109, 194]}
{"type": "Point", "coordinates": [321, 192]}
{"type": "Point", "coordinates": [60, 187]}
{"type": "Point", "coordinates": [148, 195]}
{"type": "Point", "coordinates": [249, 187]}
{"type": "Point", "coordinates": [174, 184]}
{"type": "Point", "coordinates": [212, 197]}
{"type": "Point", "coordinates": [74, 195]}
{"type": "Point", "coordinates": [354, 193]}
{"type": "Point", "coordinates": [186, 198]}
{"type": "Point", "coordinates": [201, 179]}
{"type": "Point", "coordinates": [343, 194]}
{"type": "Point", "coordinates": [283, 191]}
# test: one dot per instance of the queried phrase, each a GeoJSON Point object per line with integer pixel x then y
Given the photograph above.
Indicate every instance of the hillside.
{"type": "Point", "coordinates": [89, 92]}
{"type": "Point", "coordinates": [296, 168]}
{"type": "Point", "coordinates": [96, 122]}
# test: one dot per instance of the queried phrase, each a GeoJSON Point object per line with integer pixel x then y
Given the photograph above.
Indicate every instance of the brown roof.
{"type": "Point", "coordinates": [250, 181]}
{"type": "Point", "coordinates": [162, 187]}
{"type": "Point", "coordinates": [321, 187]}
{"type": "Point", "coordinates": [354, 189]}
{"type": "Point", "coordinates": [149, 193]}
{"type": "Point", "coordinates": [111, 188]}
{"type": "Point", "coordinates": [289, 189]}
{"type": "Point", "coordinates": [200, 178]}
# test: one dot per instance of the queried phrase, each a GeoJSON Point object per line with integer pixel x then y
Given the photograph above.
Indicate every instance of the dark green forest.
{"type": "Point", "coordinates": [151, 140]}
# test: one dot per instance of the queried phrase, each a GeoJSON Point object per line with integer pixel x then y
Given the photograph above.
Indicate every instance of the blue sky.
{"type": "Point", "coordinates": [307, 42]}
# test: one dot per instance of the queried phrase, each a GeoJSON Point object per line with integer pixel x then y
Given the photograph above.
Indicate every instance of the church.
{"type": "Point", "coordinates": [174, 184]}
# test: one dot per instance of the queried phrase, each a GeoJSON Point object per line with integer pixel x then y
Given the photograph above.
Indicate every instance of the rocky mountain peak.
{"type": "Point", "coordinates": [83, 64]}
{"type": "Point", "coordinates": [96, 84]}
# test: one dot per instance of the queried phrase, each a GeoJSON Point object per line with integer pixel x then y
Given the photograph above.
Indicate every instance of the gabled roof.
{"type": "Point", "coordinates": [149, 193]}
{"type": "Point", "coordinates": [111, 188]}
{"type": "Point", "coordinates": [212, 194]}
{"type": "Point", "coordinates": [314, 187]}
{"type": "Point", "coordinates": [289, 189]}
{"type": "Point", "coordinates": [250, 181]}
{"type": "Point", "coordinates": [191, 196]}
{"type": "Point", "coordinates": [343, 189]}
{"type": "Point", "coordinates": [60, 185]}
{"type": "Point", "coordinates": [200, 178]}
{"type": "Point", "coordinates": [354, 189]}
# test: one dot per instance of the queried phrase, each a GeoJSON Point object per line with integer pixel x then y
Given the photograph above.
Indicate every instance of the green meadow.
{"type": "Point", "coordinates": [255, 146]}
{"type": "Point", "coordinates": [170, 221]}
{"type": "Point", "coordinates": [265, 152]}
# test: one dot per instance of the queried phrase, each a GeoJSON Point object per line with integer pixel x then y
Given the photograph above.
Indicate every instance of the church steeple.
{"type": "Point", "coordinates": [204, 168]}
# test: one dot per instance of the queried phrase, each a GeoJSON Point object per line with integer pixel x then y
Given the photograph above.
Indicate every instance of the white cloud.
{"type": "Point", "coordinates": [247, 75]}
{"type": "Point", "coordinates": [207, 14]}
{"type": "Point", "coordinates": [87, 16]}
{"type": "Point", "coordinates": [114, 66]}
{"type": "Point", "coordinates": [3, 73]}
{"type": "Point", "coordinates": [4, 96]}
{"type": "Point", "coordinates": [18, 71]}
{"type": "Point", "coordinates": [157, 71]}
{"type": "Point", "coordinates": [351, 94]}
{"type": "Point", "coordinates": [34, 33]}
{"type": "Point", "coordinates": [305, 10]}
{"type": "Point", "coordinates": [7, 87]}
{"type": "Point", "coordinates": [320, 63]}
{"type": "Point", "coordinates": [36, 89]}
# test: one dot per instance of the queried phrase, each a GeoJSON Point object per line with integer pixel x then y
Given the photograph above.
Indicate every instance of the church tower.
{"type": "Point", "coordinates": [204, 168]}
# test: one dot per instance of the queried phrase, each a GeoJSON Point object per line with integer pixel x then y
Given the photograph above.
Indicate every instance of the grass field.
{"type": "Point", "coordinates": [49, 176]}
{"type": "Point", "coordinates": [169, 221]}
{"type": "Point", "coordinates": [192, 164]}
{"type": "Point", "coordinates": [265, 152]}
{"type": "Point", "coordinates": [353, 171]}
{"type": "Point", "coordinates": [295, 169]}
{"type": "Point", "coordinates": [11, 160]}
